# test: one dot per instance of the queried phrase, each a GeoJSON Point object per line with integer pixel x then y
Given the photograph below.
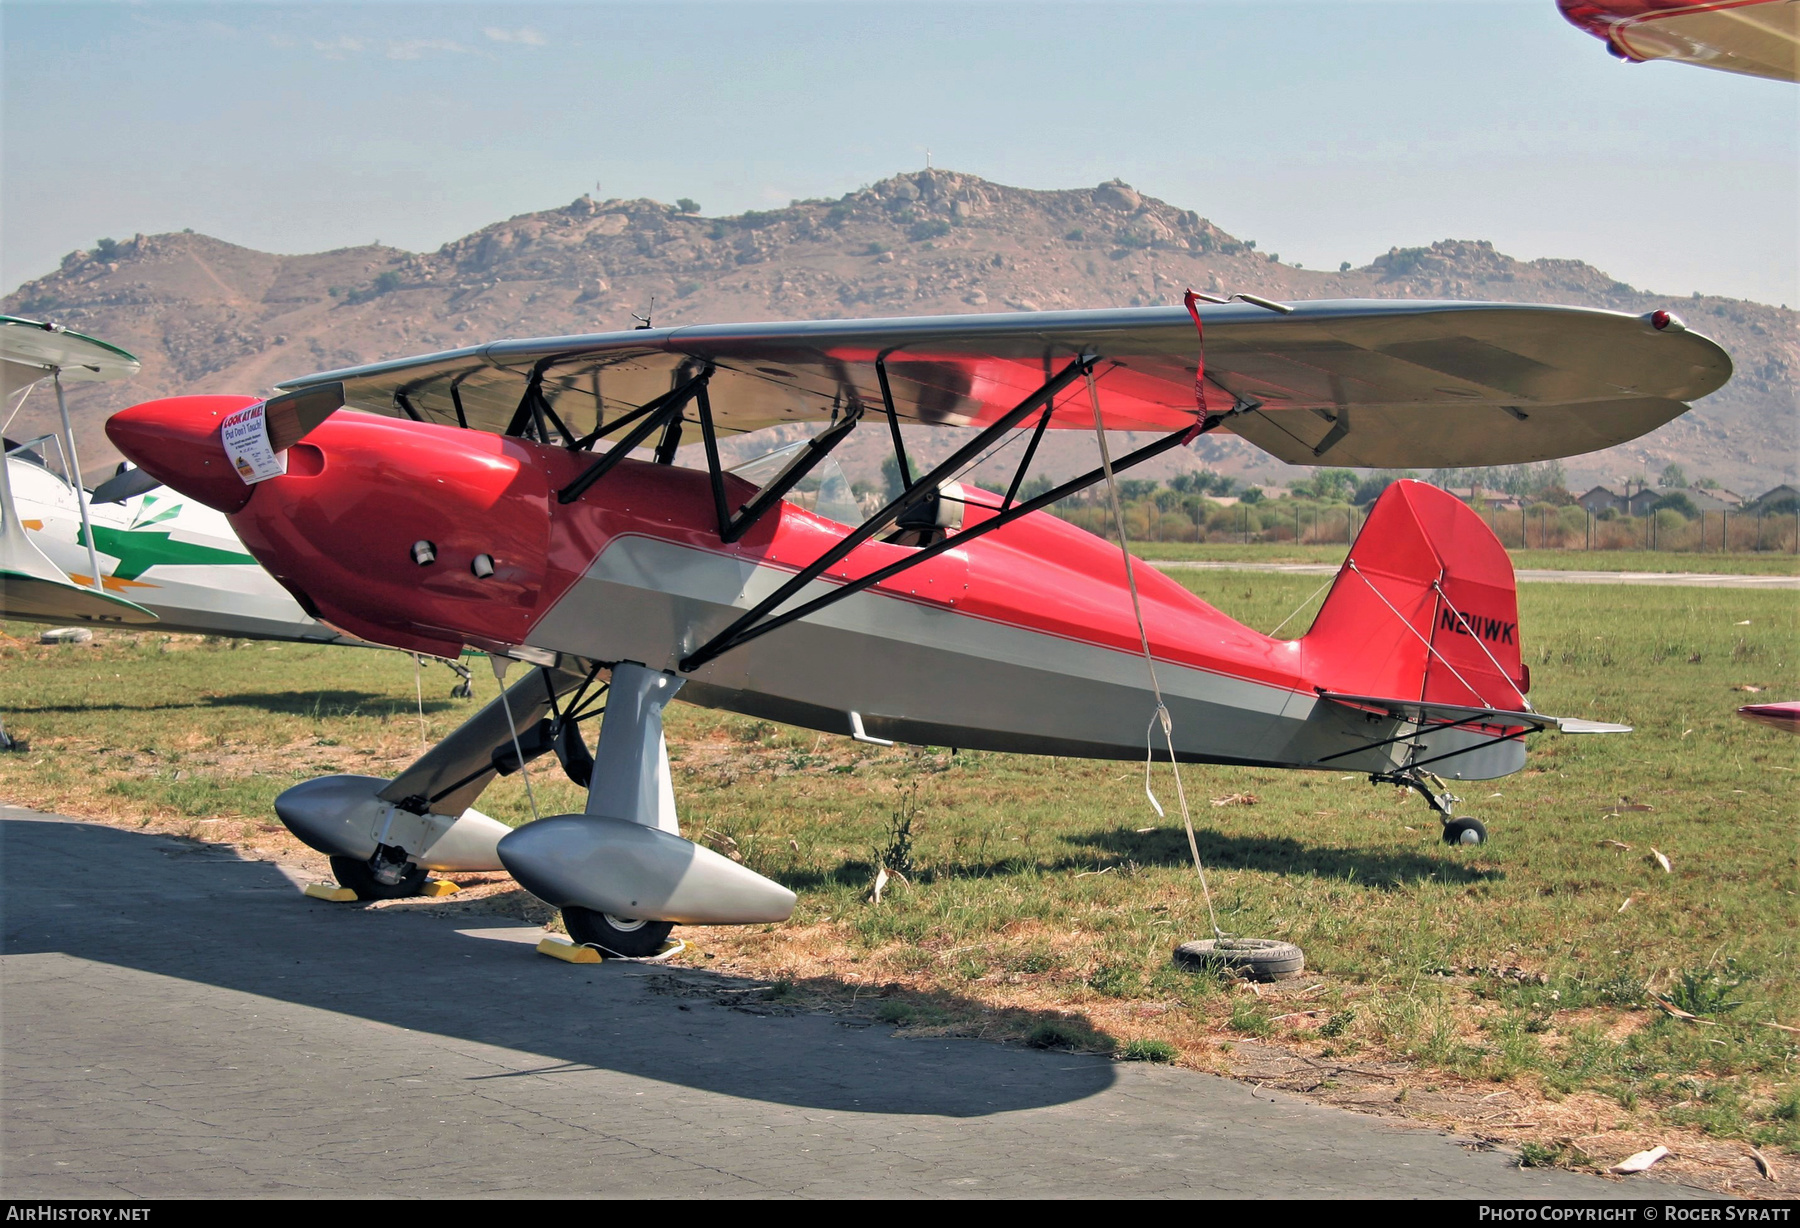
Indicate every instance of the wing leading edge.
{"type": "Point", "coordinates": [1366, 383]}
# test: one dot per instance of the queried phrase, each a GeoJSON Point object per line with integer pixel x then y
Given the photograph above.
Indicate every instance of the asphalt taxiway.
{"type": "Point", "coordinates": [176, 1021]}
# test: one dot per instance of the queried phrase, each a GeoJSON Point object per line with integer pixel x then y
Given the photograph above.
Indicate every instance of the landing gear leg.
{"type": "Point", "coordinates": [630, 780]}
{"type": "Point", "coordinates": [465, 681]}
{"type": "Point", "coordinates": [1457, 831]}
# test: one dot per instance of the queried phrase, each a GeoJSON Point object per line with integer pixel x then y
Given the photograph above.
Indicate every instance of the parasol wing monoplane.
{"type": "Point", "coordinates": [496, 497]}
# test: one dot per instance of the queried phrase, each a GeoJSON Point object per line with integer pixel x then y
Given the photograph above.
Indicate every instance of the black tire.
{"type": "Point", "coordinates": [1465, 831]}
{"type": "Point", "coordinates": [616, 935]}
{"type": "Point", "coordinates": [1255, 959]}
{"type": "Point", "coordinates": [359, 876]}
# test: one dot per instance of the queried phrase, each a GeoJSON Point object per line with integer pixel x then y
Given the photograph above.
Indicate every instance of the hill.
{"type": "Point", "coordinates": [208, 316]}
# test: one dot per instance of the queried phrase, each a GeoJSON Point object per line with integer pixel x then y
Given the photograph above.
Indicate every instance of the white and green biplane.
{"type": "Point", "coordinates": [161, 559]}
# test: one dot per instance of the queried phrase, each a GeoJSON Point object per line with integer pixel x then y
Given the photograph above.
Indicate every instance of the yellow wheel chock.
{"type": "Point", "coordinates": [569, 952]}
{"type": "Point", "coordinates": [329, 891]}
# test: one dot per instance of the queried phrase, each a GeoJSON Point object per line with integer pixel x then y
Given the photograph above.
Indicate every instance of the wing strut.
{"type": "Point", "coordinates": [731, 527]}
{"type": "Point", "coordinates": [761, 619]}
{"type": "Point", "coordinates": [887, 399]}
{"type": "Point", "coordinates": [733, 637]}
{"type": "Point", "coordinates": [653, 414]}
{"type": "Point", "coordinates": [745, 628]}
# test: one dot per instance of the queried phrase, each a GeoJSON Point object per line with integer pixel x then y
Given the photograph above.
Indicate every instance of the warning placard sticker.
{"type": "Point", "coordinates": [245, 435]}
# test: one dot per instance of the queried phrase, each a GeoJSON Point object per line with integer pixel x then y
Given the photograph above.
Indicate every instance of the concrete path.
{"type": "Point", "coordinates": [180, 1022]}
{"type": "Point", "coordinates": [1533, 575]}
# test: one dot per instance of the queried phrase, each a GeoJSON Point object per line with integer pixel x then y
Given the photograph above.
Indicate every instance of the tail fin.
{"type": "Point", "coordinates": [1424, 608]}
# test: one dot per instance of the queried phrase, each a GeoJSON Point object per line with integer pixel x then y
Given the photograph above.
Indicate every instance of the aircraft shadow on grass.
{"type": "Point", "coordinates": [327, 703]}
{"type": "Point", "coordinates": [157, 904]}
{"type": "Point", "coordinates": [278, 703]}
{"type": "Point", "coordinates": [1381, 869]}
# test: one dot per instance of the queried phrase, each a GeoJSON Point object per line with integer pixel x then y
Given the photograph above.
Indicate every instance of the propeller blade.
{"type": "Point", "coordinates": [122, 486]}
{"type": "Point", "coordinates": [291, 415]}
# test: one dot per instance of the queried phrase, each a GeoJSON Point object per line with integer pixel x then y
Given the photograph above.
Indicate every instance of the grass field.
{"type": "Point", "coordinates": [1762, 564]}
{"type": "Point", "coordinates": [1045, 895]}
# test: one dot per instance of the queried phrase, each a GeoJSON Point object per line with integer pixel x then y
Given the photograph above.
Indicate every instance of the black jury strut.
{"type": "Point", "coordinates": [887, 400]}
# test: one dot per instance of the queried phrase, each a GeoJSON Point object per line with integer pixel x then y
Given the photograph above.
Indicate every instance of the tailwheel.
{"type": "Point", "coordinates": [619, 935]}
{"type": "Point", "coordinates": [385, 876]}
{"type": "Point", "coordinates": [1464, 831]}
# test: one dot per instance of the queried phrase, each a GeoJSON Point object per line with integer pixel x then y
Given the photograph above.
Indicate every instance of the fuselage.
{"type": "Point", "coordinates": [1025, 642]}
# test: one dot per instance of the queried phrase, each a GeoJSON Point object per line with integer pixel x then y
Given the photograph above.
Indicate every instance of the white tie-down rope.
{"type": "Point", "coordinates": [1428, 645]}
{"type": "Point", "coordinates": [1161, 715]}
{"type": "Point", "coordinates": [500, 663]}
{"type": "Point", "coordinates": [419, 690]}
{"type": "Point", "coordinates": [1290, 618]}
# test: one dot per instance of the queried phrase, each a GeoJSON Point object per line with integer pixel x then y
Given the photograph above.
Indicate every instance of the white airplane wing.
{"type": "Point", "coordinates": [1366, 383]}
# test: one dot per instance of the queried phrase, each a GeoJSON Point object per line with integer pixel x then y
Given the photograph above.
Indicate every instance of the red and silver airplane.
{"type": "Point", "coordinates": [490, 497]}
{"type": "Point", "coordinates": [1758, 38]}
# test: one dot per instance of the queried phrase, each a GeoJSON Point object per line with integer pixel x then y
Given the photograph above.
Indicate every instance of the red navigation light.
{"type": "Point", "coordinates": [1659, 320]}
{"type": "Point", "coordinates": [1665, 321]}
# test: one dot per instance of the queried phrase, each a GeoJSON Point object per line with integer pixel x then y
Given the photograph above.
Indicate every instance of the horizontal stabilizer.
{"type": "Point", "coordinates": [1422, 712]}
{"type": "Point", "coordinates": [127, 485]}
{"type": "Point", "coordinates": [1571, 724]}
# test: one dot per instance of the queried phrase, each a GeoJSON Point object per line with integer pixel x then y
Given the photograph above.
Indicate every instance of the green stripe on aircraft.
{"type": "Point", "coordinates": [138, 550]}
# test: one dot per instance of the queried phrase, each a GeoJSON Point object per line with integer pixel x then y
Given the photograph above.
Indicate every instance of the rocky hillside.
{"type": "Point", "coordinates": [206, 316]}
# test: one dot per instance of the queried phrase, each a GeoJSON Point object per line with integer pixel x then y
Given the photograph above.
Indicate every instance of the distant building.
{"type": "Point", "coordinates": [1783, 496]}
{"type": "Point", "coordinates": [1600, 499]}
{"type": "Point", "coordinates": [1716, 499]}
{"type": "Point", "coordinates": [1604, 499]}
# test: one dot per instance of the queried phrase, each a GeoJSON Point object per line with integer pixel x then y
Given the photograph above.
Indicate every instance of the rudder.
{"type": "Point", "coordinates": [1425, 607]}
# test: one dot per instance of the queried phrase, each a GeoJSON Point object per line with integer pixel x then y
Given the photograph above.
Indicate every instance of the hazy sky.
{"type": "Point", "coordinates": [1324, 131]}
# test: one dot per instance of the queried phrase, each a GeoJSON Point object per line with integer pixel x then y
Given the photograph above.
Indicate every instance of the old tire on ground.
{"type": "Point", "coordinates": [1465, 831]}
{"type": "Point", "coordinates": [619, 935]}
{"type": "Point", "coordinates": [1255, 959]}
{"type": "Point", "coordinates": [359, 876]}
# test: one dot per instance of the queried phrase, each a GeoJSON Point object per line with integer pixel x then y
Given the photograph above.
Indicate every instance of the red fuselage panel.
{"type": "Point", "coordinates": [344, 537]}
